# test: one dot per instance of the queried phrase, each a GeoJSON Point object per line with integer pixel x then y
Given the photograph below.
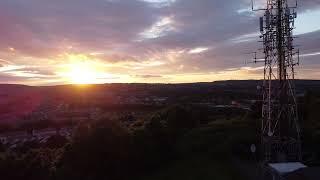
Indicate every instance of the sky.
{"type": "Point", "coordinates": [46, 42]}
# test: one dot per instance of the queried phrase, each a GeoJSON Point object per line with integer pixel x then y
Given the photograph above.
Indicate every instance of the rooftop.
{"type": "Point", "coordinates": [284, 168]}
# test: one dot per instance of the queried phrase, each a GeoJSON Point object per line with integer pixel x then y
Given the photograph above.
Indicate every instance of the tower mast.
{"type": "Point", "coordinates": [280, 131]}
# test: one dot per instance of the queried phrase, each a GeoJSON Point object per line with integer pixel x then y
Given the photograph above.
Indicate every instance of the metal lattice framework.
{"type": "Point", "coordinates": [280, 131]}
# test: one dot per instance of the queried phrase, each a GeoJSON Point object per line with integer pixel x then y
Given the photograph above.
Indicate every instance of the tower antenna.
{"type": "Point", "coordinates": [280, 130]}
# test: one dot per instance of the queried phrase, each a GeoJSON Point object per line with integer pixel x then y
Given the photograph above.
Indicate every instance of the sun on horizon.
{"type": "Point", "coordinates": [82, 73]}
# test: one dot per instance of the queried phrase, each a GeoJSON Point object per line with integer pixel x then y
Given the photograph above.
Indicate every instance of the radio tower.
{"type": "Point", "coordinates": [280, 131]}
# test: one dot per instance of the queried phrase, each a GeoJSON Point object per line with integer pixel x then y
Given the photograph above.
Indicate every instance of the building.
{"type": "Point", "coordinates": [292, 171]}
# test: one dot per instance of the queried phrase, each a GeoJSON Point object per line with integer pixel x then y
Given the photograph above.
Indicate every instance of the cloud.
{"type": "Point", "coordinates": [147, 76]}
{"type": "Point", "coordinates": [129, 37]}
{"type": "Point", "coordinates": [198, 50]}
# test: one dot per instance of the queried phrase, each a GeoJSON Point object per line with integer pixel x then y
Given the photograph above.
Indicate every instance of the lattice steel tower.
{"type": "Point", "coordinates": [280, 131]}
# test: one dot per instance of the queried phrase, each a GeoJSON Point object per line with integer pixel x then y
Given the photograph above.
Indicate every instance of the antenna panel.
{"type": "Point", "coordinates": [261, 24]}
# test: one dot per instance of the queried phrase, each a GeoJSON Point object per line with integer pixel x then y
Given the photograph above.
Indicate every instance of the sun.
{"type": "Point", "coordinates": [82, 73]}
{"type": "Point", "coordinates": [82, 70]}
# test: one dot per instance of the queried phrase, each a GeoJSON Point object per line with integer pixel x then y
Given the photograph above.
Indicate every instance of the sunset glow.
{"type": "Point", "coordinates": [82, 73]}
{"type": "Point", "coordinates": [81, 69]}
{"type": "Point", "coordinates": [139, 41]}
{"type": "Point", "coordinates": [159, 89]}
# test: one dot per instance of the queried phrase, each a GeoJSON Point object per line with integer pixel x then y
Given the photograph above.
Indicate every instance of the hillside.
{"type": "Point", "coordinates": [17, 101]}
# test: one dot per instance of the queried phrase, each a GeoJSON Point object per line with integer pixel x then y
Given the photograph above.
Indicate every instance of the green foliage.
{"type": "Point", "coordinates": [175, 137]}
{"type": "Point", "coordinates": [207, 152]}
{"type": "Point", "coordinates": [197, 167]}
{"type": "Point", "coordinates": [2, 147]}
{"type": "Point", "coordinates": [56, 142]}
{"type": "Point", "coordinates": [222, 138]}
{"type": "Point", "coordinates": [104, 148]}
{"type": "Point", "coordinates": [311, 127]}
{"type": "Point", "coordinates": [101, 151]}
{"type": "Point", "coordinates": [34, 165]}
{"type": "Point", "coordinates": [27, 146]}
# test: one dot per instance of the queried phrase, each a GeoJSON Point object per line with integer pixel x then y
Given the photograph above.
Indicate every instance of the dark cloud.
{"type": "Point", "coordinates": [42, 27]}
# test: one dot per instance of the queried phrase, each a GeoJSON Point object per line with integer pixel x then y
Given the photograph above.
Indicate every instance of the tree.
{"type": "Point", "coordinates": [102, 152]}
